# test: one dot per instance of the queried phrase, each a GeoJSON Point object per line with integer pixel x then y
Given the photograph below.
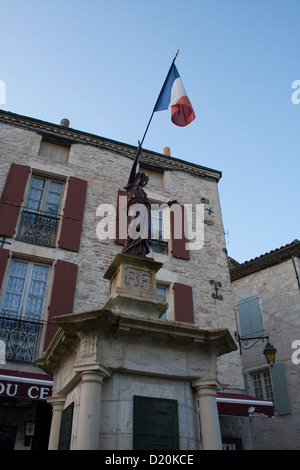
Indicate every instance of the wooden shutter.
{"type": "Point", "coordinates": [4, 255]}
{"type": "Point", "coordinates": [62, 297]}
{"type": "Point", "coordinates": [119, 234]}
{"type": "Point", "coordinates": [73, 215]}
{"type": "Point", "coordinates": [282, 401]}
{"type": "Point", "coordinates": [183, 301]}
{"type": "Point", "coordinates": [12, 198]}
{"type": "Point", "coordinates": [250, 317]}
{"type": "Point", "coordinates": [179, 241]}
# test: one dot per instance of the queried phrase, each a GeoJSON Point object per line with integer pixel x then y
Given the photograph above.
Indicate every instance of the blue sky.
{"type": "Point", "coordinates": [102, 63]}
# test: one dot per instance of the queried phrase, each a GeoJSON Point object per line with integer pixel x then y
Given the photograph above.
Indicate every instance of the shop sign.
{"type": "Point", "coordinates": [19, 389]}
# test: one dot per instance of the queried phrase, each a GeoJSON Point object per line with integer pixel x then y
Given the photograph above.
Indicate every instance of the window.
{"type": "Point", "coordinates": [250, 317]}
{"type": "Point", "coordinates": [263, 385]}
{"type": "Point", "coordinates": [39, 219]}
{"type": "Point", "coordinates": [44, 195]}
{"type": "Point", "coordinates": [157, 224]}
{"type": "Point", "coordinates": [163, 290]}
{"type": "Point", "coordinates": [158, 242]}
{"type": "Point", "coordinates": [22, 309]}
{"type": "Point", "coordinates": [26, 290]}
{"type": "Point", "coordinates": [270, 384]}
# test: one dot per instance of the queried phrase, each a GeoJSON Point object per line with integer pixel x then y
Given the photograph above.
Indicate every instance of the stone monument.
{"type": "Point", "coordinates": [113, 365]}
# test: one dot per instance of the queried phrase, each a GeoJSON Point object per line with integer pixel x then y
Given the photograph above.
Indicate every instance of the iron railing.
{"type": "Point", "coordinates": [21, 339]}
{"type": "Point", "coordinates": [39, 228]}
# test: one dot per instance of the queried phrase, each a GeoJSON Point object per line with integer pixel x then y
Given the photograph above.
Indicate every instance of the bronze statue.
{"type": "Point", "coordinates": [139, 212]}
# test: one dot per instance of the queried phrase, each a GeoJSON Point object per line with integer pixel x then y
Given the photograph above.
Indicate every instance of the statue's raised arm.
{"type": "Point", "coordinates": [135, 166]}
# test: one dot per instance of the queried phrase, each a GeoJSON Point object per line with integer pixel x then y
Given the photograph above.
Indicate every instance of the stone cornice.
{"type": "Point", "coordinates": [71, 325]}
{"type": "Point", "coordinates": [75, 136]}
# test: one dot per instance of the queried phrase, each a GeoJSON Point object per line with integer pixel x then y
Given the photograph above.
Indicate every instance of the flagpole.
{"type": "Point", "coordinates": [141, 143]}
{"type": "Point", "coordinates": [139, 149]}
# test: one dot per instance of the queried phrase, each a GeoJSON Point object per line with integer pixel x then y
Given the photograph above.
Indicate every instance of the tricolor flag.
{"type": "Point", "coordinates": [173, 95]}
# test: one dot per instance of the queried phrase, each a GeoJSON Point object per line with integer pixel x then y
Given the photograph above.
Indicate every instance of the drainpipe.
{"type": "Point", "coordinates": [297, 275]}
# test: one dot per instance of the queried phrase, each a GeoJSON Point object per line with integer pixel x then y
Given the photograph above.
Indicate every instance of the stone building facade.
{"type": "Point", "coordinates": [55, 181]}
{"type": "Point", "coordinates": [266, 291]}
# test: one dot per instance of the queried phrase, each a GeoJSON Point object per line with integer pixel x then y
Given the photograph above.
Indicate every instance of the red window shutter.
{"type": "Point", "coordinates": [73, 215]}
{"type": "Point", "coordinates": [12, 198]}
{"type": "Point", "coordinates": [183, 301]}
{"type": "Point", "coordinates": [62, 298]}
{"type": "Point", "coordinates": [4, 255]}
{"type": "Point", "coordinates": [120, 231]}
{"type": "Point", "coordinates": [179, 241]}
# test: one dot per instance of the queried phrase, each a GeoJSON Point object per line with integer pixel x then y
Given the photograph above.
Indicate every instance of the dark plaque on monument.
{"type": "Point", "coordinates": [155, 424]}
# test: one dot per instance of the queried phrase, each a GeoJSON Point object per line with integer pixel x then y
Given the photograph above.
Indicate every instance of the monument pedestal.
{"type": "Point", "coordinates": [121, 362]}
{"type": "Point", "coordinates": [133, 287]}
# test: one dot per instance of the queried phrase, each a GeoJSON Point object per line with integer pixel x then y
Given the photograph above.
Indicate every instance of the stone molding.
{"type": "Point", "coordinates": [218, 341]}
{"type": "Point", "coordinates": [126, 150]}
{"type": "Point", "coordinates": [92, 368]}
{"type": "Point", "coordinates": [205, 387]}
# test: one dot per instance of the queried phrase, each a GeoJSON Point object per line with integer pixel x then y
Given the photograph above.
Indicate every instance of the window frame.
{"type": "Point", "coordinates": [21, 314]}
{"type": "Point", "coordinates": [266, 385]}
{"type": "Point", "coordinates": [31, 220]}
{"type": "Point", "coordinates": [166, 287]}
{"type": "Point", "coordinates": [46, 189]}
{"type": "Point", "coordinates": [163, 246]}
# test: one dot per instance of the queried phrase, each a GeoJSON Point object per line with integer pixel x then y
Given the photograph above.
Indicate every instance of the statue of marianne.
{"type": "Point", "coordinates": [138, 245]}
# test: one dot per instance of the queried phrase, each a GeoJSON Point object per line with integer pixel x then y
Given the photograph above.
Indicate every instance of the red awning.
{"type": "Point", "coordinates": [234, 404]}
{"type": "Point", "coordinates": [17, 384]}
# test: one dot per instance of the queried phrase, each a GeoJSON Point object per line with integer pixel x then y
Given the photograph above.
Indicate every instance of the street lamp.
{"type": "Point", "coordinates": [269, 350]}
{"type": "Point", "coordinates": [269, 353]}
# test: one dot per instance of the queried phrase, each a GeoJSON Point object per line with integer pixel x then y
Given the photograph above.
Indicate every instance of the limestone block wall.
{"type": "Point", "coordinates": [117, 409]}
{"type": "Point", "coordinates": [106, 171]}
{"type": "Point", "coordinates": [278, 292]}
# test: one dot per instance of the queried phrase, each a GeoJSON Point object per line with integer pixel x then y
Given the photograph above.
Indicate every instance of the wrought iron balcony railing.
{"type": "Point", "coordinates": [21, 339]}
{"type": "Point", "coordinates": [39, 228]}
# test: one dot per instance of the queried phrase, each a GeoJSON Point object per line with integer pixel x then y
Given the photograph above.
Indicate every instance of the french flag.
{"type": "Point", "coordinates": [173, 95]}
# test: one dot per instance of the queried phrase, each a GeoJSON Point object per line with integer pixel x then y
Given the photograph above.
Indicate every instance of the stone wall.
{"type": "Point", "coordinates": [107, 170]}
{"type": "Point", "coordinates": [278, 292]}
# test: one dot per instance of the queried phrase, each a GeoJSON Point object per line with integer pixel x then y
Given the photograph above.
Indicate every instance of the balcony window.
{"type": "Point", "coordinates": [21, 339]}
{"type": "Point", "coordinates": [26, 290]}
{"type": "Point", "coordinates": [40, 218]}
{"type": "Point", "coordinates": [23, 308]}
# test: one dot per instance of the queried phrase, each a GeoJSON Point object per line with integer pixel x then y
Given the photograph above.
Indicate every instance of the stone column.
{"type": "Point", "coordinates": [206, 390]}
{"type": "Point", "coordinates": [88, 427]}
{"type": "Point", "coordinates": [58, 403]}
